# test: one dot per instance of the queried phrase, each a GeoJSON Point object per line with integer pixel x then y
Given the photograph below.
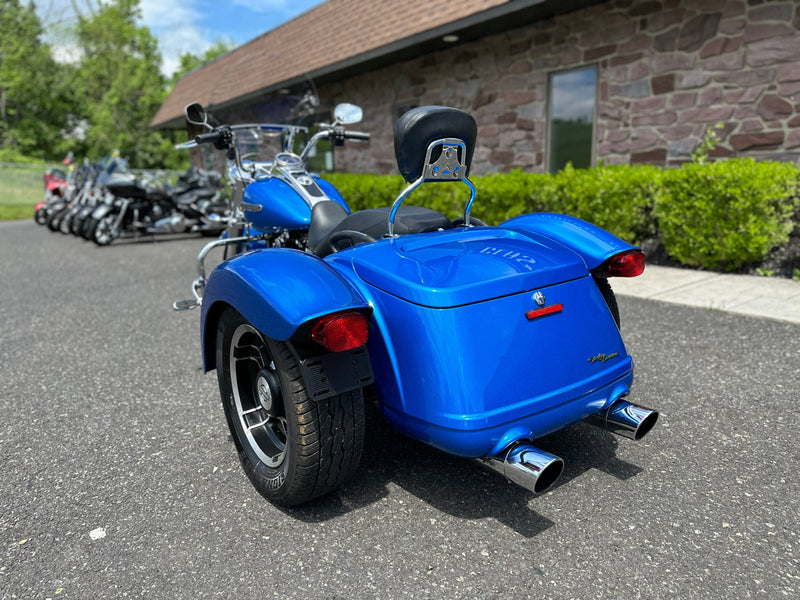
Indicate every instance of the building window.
{"type": "Point", "coordinates": [570, 118]}
{"type": "Point", "coordinates": [321, 158]}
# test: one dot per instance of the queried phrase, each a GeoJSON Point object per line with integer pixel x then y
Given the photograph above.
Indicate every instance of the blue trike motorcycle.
{"type": "Point", "coordinates": [474, 339]}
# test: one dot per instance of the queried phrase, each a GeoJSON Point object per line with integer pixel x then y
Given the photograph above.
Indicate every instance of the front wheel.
{"type": "Point", "coordinates": [40, 216]}
{"type": "Point", "coordinates": [106, 230]}
{"type": "Point", "coordinates": [293, 449]}
{"type": "Point", "coordinates": [87, 231]}
{"type": "Point", "coordinates": [65, 223]}
{"type": "Point", "coordinates": [54, 219]}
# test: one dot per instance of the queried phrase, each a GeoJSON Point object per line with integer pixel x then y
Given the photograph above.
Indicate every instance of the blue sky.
{"type": "Point", "coordinates": [193, 25]}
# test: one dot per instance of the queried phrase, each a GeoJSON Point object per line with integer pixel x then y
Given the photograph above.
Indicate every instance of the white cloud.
{"type": "Point", "coordinates": [165, 14]}
{"type": "Point", "coordinates": [178, 25]}
{"type": "Point", "coordinates": [174, 24]}
{"type": "Point", "coordinates": [182, 39]}
{"type": "Point", "coordinates": [66, 53]}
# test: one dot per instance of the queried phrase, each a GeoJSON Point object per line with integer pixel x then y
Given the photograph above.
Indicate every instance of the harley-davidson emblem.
{"type": "Point", "coordinates": [539, 298]}
{"type": "Point", "coordinates": [601, 358]}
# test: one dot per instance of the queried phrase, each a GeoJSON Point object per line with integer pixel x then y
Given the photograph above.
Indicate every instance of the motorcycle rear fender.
{"type": "Point", "coordinates": [590, 242]}
{"type": "Point", "coordinates": [277, 291]}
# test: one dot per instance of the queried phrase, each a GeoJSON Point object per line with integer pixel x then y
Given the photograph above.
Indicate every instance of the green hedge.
{"type": "Point", "coordinates": [719, 216]}
{"type": "Point", "coordinates": [728, 214]}
{"type": "Point", "coordinates": [618, 199]}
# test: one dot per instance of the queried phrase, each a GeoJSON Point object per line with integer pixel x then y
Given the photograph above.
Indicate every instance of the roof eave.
{"type": "Point", "coordinates": [479, 24]}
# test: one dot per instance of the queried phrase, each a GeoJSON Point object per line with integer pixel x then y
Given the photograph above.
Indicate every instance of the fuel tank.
{"type": "Point", "coordinates": [484, 336]}
{"type": "Point", "coordinates": [277, 206]}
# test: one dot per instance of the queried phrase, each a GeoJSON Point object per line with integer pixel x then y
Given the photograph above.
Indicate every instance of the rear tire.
{"type": "Point", "coordinates": [609, 297]}
{"type": "Point", "coordinates": [293, 449]}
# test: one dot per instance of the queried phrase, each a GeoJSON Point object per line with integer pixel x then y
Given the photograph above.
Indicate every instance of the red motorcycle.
{"type": "Point", "coordinates": [56, 182]}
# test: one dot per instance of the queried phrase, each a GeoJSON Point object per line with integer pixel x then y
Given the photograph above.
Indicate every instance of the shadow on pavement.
{"type": "Point", "coordinates": [457, 486]}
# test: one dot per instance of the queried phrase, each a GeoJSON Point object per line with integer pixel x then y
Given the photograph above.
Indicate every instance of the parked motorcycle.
{"type": "Point", "coordinates": [94, 193]}
{"type": "Point", "coordinates": [476, 340]}
{"type": "Point", "coordinates": [144, 205]}
{"type": "Point", "coordinates": [77, 184]}
{"type": "Point", "coordinates": [272, 200]}
{"type": "Point", "coordinates": [55, 185]}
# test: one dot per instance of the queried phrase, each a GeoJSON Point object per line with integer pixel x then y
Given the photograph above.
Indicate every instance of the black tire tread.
{"type": "Point", "coordinates": [608, 295]}
{"type": "Point", "coordinates": [329, 433]}
{"type": "Point", "coordinates": [88, 228]}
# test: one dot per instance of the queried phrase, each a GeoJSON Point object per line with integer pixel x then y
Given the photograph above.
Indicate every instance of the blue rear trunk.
{"type": "Point", "coordinates": [457, 362]}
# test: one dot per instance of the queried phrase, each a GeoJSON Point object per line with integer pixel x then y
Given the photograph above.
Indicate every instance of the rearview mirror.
{"type": "Point", "coordinates": [196, 114]}
{"type": "Point", "coordinates": [346, 114]}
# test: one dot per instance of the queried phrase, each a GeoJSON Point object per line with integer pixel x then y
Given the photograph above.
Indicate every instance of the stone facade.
{"type": "Point", "coordinates": [667, 70]}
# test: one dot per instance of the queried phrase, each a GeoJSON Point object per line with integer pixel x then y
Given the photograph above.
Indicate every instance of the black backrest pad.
{"type": "Point", "coordinates": [417, 128]}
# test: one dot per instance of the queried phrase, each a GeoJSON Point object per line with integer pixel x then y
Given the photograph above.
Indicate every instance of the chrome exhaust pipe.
{"type": "Point", "coordinates": [529, 467]}
{"type": "Point", "coordinates": [625, 419]}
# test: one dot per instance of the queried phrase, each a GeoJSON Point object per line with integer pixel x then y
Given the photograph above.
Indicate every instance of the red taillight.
{"type": "Point", "coordinates": [628, 264]}
{"type": "Point", "coordinates": [341, 332]}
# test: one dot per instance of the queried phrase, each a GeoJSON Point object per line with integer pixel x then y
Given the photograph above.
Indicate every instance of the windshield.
{"type": "Point", "coordinates": [295, 107]}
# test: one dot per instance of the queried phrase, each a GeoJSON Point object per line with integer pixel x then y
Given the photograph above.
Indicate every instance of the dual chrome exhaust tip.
{"type": "Point", "coordinates": [625, 419]}
{"type": "Point", "coordinates": [529, 467]}
{"type": "Point", "coordinates": [537, 470]}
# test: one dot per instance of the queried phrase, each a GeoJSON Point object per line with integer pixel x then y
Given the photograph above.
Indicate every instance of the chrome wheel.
{"type": "Point", "coordinates": [106, 232]}
{"type": "Point", "coordinates": [257, 396]}
{"type": "Point", "coordinates": [292, 448]}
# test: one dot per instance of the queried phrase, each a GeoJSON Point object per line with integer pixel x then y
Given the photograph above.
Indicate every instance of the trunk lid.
{"type": "Point", "coordinates": [464, 266]}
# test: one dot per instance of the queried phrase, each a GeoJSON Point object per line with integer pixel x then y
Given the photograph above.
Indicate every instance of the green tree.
{"type": "Point", "coordinates": [37, 101]}
{"type": "Point", "coordinates": [190, 62]}
{"type": "Point", "coordinates": [122, 85]}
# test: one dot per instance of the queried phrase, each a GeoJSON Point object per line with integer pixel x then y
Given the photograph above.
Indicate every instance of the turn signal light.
{"type": "Point", "coordinates": [341, 332]}
{"type": "Point", "coordinates": [628, 264]}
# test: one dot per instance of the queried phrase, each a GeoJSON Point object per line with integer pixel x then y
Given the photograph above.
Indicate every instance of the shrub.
{"type": "Point", "coordinates": [725, 215]}
{"type": "Point", "coordinates": [366, 191]}
{"type": "Point", "coordinates": [7, 155]}
{"type": "Point", "coordinates": [372, 191]}
{"type": "Point", "coordinates": [618, 199]}
{"type": "Point", "coordinates": [721, 215]}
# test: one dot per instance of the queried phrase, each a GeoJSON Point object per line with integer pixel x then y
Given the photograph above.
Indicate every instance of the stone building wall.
{"type": "Point", "coordinates": [667, 69]}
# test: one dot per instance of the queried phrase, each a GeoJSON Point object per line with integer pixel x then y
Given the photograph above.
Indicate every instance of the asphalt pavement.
{"type": "Point", "coordinates": [118, 478]}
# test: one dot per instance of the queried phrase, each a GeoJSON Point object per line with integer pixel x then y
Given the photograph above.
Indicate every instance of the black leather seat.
{"type": "Point", "coordinates": [329, 221]}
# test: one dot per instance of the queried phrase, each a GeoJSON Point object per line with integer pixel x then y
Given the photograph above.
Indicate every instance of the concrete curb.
{"type": "Point", "coordinates": [772, 298]}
